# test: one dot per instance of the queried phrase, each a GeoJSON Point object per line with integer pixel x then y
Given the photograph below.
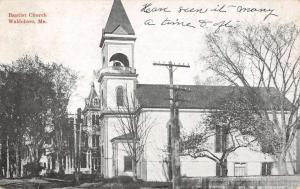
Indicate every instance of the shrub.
{"type": "Point", "coordinates": [122, 179]}
{"type": "Point", "coordinates": [133, 185]}
{"type": "Point", "coordinates": [33, 169]}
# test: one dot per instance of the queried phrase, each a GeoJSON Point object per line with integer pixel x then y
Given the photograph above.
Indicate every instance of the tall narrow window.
{"type": "Point", "coordinates": [84, 140]}
{"type": "Point", "coordinates": [97, 119]}
{"type": "Point", "coordinates": [93, 119]}
{"type": "Point", "coordinates": [120, 97]}
{"type": "Point", "coordinates": [95, 140]}
{"type": "Point", "coordinates": [266, 168]}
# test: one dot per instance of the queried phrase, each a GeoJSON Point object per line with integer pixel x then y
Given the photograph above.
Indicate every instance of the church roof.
{"type": "Point", "coordinates": [118, 19]}
{"type": "Point", "coordinates": [200, 96]}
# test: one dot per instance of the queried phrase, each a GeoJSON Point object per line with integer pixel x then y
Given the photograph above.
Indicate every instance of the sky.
{"type": "Point", "coordinates": [72, 33]}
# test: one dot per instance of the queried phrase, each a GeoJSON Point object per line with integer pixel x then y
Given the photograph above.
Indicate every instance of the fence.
{"type": "Point", "coordinates": [255, 182]}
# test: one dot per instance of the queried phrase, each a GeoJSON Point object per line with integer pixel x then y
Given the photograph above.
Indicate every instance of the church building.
{"type": "Point", "coordinates": [118, 79]}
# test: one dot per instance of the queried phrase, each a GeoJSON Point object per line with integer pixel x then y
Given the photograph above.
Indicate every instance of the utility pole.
{"type": "Point", "coordinates": [176, 138]}
{"type": "Point", "coordinates": [174, 171]}
{"type": "Point", "coordinates": [75, 152]}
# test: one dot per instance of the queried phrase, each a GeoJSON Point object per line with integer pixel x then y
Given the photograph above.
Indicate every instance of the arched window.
{"type": "Point", "coordinates": [119, 59]}
{"type": "Point", "coordinates": [120, 97]}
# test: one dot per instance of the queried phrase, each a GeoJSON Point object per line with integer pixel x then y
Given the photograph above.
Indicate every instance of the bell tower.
{"type": "Point", "coordinates": [117, 75]}
{"type": "Point", "coordinates": [118, 38]}
{"type": "Point", "coordinates": [117, 78]}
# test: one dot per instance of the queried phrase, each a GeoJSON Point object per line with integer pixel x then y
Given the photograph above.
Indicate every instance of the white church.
{"type": "Point", "coordinates": [118, 78]}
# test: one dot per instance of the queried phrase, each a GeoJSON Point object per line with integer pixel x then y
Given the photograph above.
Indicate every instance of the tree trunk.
{"type": "Point", "coordinates": [7, 158]}
{"type": "Point", "coordinates": [17, 161]}
{"type": "Point", "coordinates": [1, 173]}
{"type": "Point", "coordinates": [281, 163]}
{"type": "Point", "coordinates": [224, 169]}
{"type": "Point", "coordinates": [134, 170]}
{"type": "Point", "coordinates": [133, 159]}
{"type": "Point", "coordinates": [59, 141]}
{"type": "Point", "coordinates": [76, 178]}
{"type": "Point", "coordinates": [61, 170]}
{"type": "Point", "coordinates": [37, 162]}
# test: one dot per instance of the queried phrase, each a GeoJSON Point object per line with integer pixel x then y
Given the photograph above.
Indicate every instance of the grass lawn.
{"type": "Point", "coordinates": [121, 182]}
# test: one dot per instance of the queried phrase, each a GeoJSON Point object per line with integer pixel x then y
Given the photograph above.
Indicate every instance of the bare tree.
{"type": "Point", "coordinates": [231, 126]}
{"type": "Point", "coordinates": [134, 125]}
{"type": "Point", "coordinates": [268, 57]}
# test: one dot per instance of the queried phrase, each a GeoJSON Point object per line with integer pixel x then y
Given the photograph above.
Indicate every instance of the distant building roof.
{"type": "Point", "coordinates": [200, 96]}
{"type": "Point", "coordinates": [93, 92]}
{"type": "Point", "coordinates": [118, 19]}
{"type": "Point", "coordinates": [89, 101]}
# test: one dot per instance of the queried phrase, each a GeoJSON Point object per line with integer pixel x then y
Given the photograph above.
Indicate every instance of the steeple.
{"type": "Point", "coordinates": [93, 92]}
{"type": "Point", "coordinates": [117, 22]}
{"type": "Point", "coordinates": [93, 100]}
{"type": "Point", "coordinates": [117, 19]}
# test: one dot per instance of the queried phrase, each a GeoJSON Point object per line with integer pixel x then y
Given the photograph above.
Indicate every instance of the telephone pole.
{"type": "Point", "coordinates": [174, 171]}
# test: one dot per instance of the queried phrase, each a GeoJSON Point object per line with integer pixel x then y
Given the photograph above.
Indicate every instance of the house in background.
{"type": "Point", "coordinates": [90, 149]}
{"type": "Point", "coordinates": [91, 137]}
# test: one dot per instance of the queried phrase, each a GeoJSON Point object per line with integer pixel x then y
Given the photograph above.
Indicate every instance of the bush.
{"type": "Point", "coordinates": [155, 184]}
{"type": "Point", "coordinates": [114, 185]}
{"type": "Point", "coordinates": [52, 174]}
{"type": "Point", "coordinates": [33, 169]}
{"type": "Point", "coordinates": [123, 179]}
{"type": "Point", "coordinates": [132, 185]}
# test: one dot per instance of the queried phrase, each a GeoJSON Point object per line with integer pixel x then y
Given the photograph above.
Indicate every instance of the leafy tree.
{"type": "Point", "coordinates": [26, 109]}
{"type": "Point", "coordinates": [30, 101]}
{"type": "Point", "coordinates": [267, 57]}
{"type": "Point", "coordinates": [64, 80]}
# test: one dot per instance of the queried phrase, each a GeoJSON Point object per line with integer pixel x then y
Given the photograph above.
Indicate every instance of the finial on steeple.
{"type": "Point", "coordinates": [92, 85]}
